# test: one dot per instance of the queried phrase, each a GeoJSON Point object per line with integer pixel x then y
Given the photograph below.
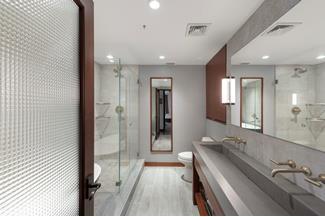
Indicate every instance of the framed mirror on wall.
{"type": "Point", "coordinates": [251, 103]}
{"type": "Point", "coordinates": [161, 114]}
{"type": "Point", "coordinates": [289, 59]}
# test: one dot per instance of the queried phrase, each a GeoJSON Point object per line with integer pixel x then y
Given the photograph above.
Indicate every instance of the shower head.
{"type": "Point", "coordinates": [298, 72]}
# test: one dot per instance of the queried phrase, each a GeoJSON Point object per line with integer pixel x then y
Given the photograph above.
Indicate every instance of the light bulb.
{"type": "Point", "coordinates": [154, 4]}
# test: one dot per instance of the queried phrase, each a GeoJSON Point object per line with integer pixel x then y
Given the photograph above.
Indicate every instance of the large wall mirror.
{"type": "Point", "coordinates": [161, 103]}
{"type": "Point", "coordinates": [290, 57]}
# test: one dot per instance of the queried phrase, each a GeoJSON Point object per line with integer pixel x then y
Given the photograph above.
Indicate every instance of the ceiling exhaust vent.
{"type": "Point", "coordinates": [280, 29]}
{"type": "Point", "coordinates": [197, 29]}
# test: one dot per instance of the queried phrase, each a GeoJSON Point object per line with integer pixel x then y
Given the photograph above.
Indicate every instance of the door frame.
{"type": "Point", "coordinates": [86, 61]}
{"type": "Point", "coordinates": [262, 100]}
{"type": "Point", "coordinates": [172, 115]}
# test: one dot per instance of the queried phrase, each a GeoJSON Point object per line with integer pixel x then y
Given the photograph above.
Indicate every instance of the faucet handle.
{"type": "Point", "coordinates": [289, 163]}
{"type": "Point", "coordinates": [240, 140]}
{"type": "Point", "coordinates": [317, 181]}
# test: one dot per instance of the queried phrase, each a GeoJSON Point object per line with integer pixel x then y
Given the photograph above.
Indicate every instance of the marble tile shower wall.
{"type": "Point", "coordinates": [263, 147]}
{"type": "Point", "coordinates": [106, 91]}
{"type": "Point", "coordinates": [304, 87]}
{"type": "Point", "coordinates": [108, 94]}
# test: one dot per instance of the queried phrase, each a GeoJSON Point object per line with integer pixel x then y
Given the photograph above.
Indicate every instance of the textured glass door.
{"type": "Point", "coordinates": [39, 107]}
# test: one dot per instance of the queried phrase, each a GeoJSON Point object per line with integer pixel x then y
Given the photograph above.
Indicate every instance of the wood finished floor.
{"type": "Point", "coordinates": [162, 192]}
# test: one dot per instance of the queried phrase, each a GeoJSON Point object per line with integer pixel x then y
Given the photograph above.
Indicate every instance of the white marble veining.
{"type": "Point", "coordinates": [162, 192]}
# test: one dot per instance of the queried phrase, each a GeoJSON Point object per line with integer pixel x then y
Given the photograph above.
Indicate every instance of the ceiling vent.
{"type": "Point", "coordinates": [197, 29]}
{"type": "Point", "coordinates": [280, 29]}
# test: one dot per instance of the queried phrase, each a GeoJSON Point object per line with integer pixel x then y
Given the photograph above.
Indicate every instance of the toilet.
{"type": "Point", "coordinates": [186, 159]}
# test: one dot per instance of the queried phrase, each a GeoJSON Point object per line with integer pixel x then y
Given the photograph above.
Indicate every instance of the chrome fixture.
{"type": "Point", "coordinates": [235, 139]}
{"type": "Point", "coordinates": [289, 163]}
{"type": "Point", "coordinates": [304, 170]}
{"type": "Point", "coordinates": [317, 181]}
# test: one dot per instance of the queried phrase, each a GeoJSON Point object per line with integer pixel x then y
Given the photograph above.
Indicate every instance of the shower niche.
{"type": "Point", "coordinates": [102, 119]}
{"type": "Point", "coordinates": [316, 121]}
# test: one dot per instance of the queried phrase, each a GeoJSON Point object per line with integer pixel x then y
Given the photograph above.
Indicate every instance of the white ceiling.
{"type": "Point", "coordinates": [299, 46]}
{"type": "Point", "coordinates": [118, 29]}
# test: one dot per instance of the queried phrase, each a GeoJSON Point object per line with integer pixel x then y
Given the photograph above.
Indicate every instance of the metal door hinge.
{"type": "Point", "coordinates": [92, 187]}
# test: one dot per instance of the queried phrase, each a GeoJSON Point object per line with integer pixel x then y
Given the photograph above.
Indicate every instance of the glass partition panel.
{"type": "Point", "coordinates": [107, 127]}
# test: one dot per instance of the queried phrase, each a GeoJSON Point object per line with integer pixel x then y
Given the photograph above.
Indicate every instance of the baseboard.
{"type": "Point", "coordinates": [163, 164]}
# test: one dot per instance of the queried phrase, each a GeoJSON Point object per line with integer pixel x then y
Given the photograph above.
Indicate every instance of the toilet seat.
{"type": "Point", "coordinates": [186, 156]}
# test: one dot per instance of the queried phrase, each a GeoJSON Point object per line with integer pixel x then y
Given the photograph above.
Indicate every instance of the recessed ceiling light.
{"type": "Point", "coordinates": [112, 61]}
{"type": "Point", "coordinates": [109, 56]}
{"type": "Point", "coordinates": [320, 57]}
{"type": "Point", "coordinates": [162, 57]}
{"type": "Point", "coordinates": [154, 4]}
{"type": "Point", "coordinates": [265, 57]}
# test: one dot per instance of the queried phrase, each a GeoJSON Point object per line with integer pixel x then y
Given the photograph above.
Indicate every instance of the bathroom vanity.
{"type": "Point", "coordinates": [226, 181]}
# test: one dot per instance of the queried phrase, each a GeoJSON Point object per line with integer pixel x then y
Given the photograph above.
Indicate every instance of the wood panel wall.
{"type": "Point", "coordinates": [216, 69]}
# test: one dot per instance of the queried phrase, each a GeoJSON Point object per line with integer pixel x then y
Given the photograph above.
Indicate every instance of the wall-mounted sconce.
{"type": "Point", "coordinates": [228, 91]}
{"type": "Point", "coordinates": [295, 109]}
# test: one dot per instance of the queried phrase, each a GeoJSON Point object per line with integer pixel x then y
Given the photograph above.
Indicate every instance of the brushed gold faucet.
{"type": "Point", "coordinates": [235, 139]}
{"type": "Point", "coordinates": [317, 181]}
{"type": "Point", "coordinates": [289, 163]}
{"type": "Point", "coordinates": [303, 169]}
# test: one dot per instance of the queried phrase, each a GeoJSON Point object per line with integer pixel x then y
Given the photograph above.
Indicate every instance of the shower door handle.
{"type": "Point", "coordinates": [92, 187]}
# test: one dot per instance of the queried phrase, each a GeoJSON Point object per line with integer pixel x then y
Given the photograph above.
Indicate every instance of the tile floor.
{"type": "Point", "coordinates": [161, 191]}
{"type": "Point", "coordinates": [162, 143]}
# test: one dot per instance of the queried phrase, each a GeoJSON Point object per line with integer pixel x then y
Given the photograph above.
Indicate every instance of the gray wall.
{"type": "Point", "coordinates": [263, 147]}
{"type": "Point", "coordinates": [215, 130]}
{"type": "Point", "coordinates": [188, 108]}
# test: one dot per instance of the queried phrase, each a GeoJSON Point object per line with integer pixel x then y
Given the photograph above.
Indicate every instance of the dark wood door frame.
{"type": "Point", "coordinates": [86, 47]}
{"type": "Point", "coordinates": [262, 100]}
{"type": "Point", "coordinates": [172, 116]}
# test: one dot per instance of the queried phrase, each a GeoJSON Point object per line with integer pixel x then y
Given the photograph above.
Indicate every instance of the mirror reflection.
{"type": "Point", "coordinates": [161, 114]}
{"type": "Point", "coordinates": [289, 57]}
{"type": "Point", "coordinates": [251, 90]}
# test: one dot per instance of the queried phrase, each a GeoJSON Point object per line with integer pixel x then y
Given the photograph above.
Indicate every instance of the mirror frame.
{"type": "Point", "coordinates": [262, 101]}
{"type": "Point", "coordinates": [172, 115]}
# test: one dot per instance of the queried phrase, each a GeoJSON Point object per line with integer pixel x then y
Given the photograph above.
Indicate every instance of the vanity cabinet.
{"type": "Point", "coordinates": [203, 195]}
{"type": "Point", "coordinates": [216, 70]}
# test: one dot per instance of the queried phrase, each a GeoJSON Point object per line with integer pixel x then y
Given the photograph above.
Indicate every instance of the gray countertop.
{"type": "Point", "coordinates": [236, 194]}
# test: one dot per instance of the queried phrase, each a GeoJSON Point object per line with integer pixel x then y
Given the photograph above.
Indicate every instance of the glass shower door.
{"type": "Point", "coordinates": [129, 122]}
{"type": "Point", "coordinates": [107, 128]}
{"type": "Point", "coordinates": [124, 159]}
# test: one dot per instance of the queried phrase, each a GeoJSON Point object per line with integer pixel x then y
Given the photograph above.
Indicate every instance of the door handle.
{"type": "Point", "coordinates": [92, 187]}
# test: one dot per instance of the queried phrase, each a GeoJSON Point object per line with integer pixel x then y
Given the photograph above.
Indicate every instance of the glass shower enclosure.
{"type": "Point", "coordinates": [116, 126]}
